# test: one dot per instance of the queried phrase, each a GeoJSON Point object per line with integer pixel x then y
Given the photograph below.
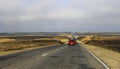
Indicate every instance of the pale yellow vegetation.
{"type": "Point", "coordinates": [3, 40]}
{"type": "Point", "coordinates": [106, 37]}
{"type": "Point", "coordinates": [86, 39]}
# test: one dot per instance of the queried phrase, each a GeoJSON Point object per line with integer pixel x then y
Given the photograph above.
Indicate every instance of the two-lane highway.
{"type": "Point", "coordinates": [56, 57]}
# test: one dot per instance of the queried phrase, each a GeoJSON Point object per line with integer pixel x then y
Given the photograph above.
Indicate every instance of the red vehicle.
{"type": "Point", "coordinates": [71, 42]}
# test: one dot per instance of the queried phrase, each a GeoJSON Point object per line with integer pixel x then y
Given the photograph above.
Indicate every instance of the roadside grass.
{"type": "Point", "coordinates": [19, 43]}
{"type": "Point", "coordinates": [5, 40]}
{"type": "Point", "coordinates": [109, 42]}
{"type": "Point", "coordinates": [85, 39]}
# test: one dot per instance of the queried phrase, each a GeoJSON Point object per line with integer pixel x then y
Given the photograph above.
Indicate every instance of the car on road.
{"type": "Point", "coordinates": [72, 43]}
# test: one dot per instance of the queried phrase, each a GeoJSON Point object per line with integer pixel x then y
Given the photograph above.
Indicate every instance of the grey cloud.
{"type": "Point", "coordinates": [59, 15]}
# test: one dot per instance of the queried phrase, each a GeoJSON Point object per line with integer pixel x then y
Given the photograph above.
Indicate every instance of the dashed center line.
{"type": "Point", "coordinates": [45, 54]}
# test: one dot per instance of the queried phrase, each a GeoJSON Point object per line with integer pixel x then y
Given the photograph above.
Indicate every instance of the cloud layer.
{"type": "Point", "coordinates": [70, 15]}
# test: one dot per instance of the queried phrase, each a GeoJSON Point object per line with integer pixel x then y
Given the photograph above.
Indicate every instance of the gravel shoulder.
{"type": "Point", "coordinates": [111, 58]}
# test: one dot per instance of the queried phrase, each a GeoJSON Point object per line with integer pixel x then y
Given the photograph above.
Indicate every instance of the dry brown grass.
{"type": "Point", "coordinates": [14, 44]}
{"type": "Point", "coordinates": [111, 58]}
{"type": "Point", "coordinates": [86, 39]}
{"type": "Point", "coordinates": [4, 40]}
{"type": "Point", "coordinates": [106, 37]}
{"type": "Point", "coordinates": [3, 53]}
{"type": "Point", "coordinates": [109, 42]}
{"type": "Point", "coordinates": [18, 43]}
{"type": "Point", "coordinates": [64, 40]}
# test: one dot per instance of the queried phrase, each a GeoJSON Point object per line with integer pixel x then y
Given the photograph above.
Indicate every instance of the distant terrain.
{"type": "Point", "coordinates": [9, 42]}
{"type": "Point", "coordinates": [111, 42]}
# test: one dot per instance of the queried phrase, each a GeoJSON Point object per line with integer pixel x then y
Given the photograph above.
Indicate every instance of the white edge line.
{"type": "Point", "coordinates": [45, 54]}
{"type": "Point", "coordinates": [98, 59]}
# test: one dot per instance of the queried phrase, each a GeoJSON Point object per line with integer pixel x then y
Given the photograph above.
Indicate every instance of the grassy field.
{"type": "Point", "coordinates": [21, 42]}
{"type": "Point", "coordinates": [109, 42]}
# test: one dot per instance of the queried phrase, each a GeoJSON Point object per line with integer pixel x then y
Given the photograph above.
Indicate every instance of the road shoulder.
{"type": "Point", "coordinates": [111, 58]}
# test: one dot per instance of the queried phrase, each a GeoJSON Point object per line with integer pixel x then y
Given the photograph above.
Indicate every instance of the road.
{"type": "Point", "coordinates": [55, 57]}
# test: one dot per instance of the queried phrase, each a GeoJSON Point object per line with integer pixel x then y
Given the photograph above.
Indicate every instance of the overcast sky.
{"type": "Point", "coordinates": [59, 15]}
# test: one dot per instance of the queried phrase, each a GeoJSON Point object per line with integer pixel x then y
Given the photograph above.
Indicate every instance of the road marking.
{"type": "Point", "coordinates": [98, 59]}
{"type": "Point", "coordinates": [56, 49]}
{"type": "Point", "coordinates": [45, 54]}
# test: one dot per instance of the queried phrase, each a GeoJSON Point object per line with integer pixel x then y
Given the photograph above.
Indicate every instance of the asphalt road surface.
{"type": "Point", "coordinates": [55, 57]}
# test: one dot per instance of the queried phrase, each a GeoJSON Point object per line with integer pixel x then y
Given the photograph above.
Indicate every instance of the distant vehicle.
{"type": "Point", "coordinates": [72, 43]}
